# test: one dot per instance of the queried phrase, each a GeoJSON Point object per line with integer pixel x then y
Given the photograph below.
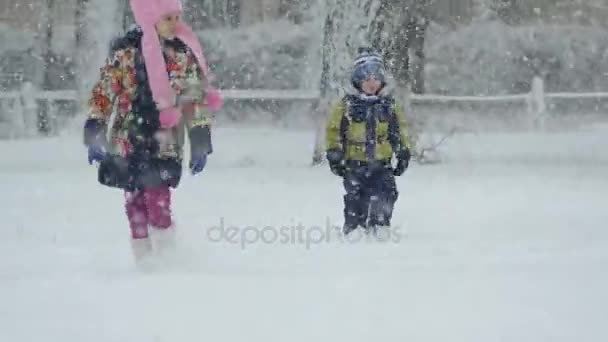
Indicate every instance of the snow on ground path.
{"type": "Point", "coordinates": [506, 241]}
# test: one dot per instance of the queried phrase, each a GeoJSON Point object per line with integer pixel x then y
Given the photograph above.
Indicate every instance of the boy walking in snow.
{"type": "Point", "coordinates": [365, 130]}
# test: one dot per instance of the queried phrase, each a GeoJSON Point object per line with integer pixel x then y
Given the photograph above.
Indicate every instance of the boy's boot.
{"type": "Point", "coordinates": [352, 213]}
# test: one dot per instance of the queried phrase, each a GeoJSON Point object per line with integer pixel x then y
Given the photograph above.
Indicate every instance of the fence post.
{"type": "Point", "coordinates": [29, 107]}
{"type": "Point", "coordinates": [12, 110]}
{"type": "Point", "coordinates": [536, 105]}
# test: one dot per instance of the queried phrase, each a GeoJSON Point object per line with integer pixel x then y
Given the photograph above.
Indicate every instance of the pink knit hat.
{"type": "Point", "coordinates": [147, 13]}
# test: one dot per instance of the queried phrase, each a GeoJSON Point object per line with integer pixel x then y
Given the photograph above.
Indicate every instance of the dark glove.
{"type": "Point", "coordinates": [97, 153]}
{"type": "Point", "coordinates": [198, 163]}
{"type": "Point", "coordinates": [403, 161]}
{"type": "Point", "coordinates": [336, 162]}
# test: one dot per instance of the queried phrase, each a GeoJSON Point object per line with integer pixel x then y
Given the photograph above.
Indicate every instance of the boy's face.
{"type": "Point", "coordinates": [371, 86]}
{"type": "Point", "coordinates": [166, 27]}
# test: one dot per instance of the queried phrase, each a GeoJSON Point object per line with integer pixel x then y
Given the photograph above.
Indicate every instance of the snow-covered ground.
{"type": "Point", "coordinates": [504, 241]}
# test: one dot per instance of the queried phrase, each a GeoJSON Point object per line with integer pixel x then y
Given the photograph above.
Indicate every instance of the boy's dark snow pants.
{"type": "Point", "coordinates": [371, 193]}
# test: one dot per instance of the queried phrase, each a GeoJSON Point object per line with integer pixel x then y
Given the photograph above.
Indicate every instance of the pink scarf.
{"type": "Point", "coordinates": [147, 13]}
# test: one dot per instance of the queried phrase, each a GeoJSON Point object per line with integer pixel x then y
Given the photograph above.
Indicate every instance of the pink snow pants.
{"type": "Point", "coordinates": [148, 207]}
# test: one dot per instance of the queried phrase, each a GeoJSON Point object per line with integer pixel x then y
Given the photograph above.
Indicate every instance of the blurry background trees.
{"type": "Point", "coordinates": [455, 47]}
{"type": "Point", "coordinates": [471, 47]}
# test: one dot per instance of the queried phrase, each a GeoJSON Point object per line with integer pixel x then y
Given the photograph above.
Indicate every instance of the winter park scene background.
{"type": "Point", "coordinates": [499, 233]}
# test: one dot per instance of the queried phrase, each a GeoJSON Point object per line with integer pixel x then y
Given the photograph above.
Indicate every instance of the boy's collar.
{"type": "Point", "coordinates": [365, 97]}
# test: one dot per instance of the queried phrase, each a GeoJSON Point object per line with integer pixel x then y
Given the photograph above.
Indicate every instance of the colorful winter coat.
{"type": "Point", "coordinates": [143, 154]}
{"type": "Point", "coordinates": [367, 128]}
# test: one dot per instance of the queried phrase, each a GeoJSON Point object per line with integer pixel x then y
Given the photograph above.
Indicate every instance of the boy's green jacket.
{"type": "Point", "coordinates": [367, 129]}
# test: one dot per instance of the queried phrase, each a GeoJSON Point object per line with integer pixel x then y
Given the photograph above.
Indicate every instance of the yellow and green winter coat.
{"type": "Point", "coordinates": [367, 128]}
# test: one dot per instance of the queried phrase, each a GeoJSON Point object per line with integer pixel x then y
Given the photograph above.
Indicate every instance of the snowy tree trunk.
{"type": "Point", "coordinates": [48, 40]}
{"type": "Point", "coordinates": [80, 15]}
{"type": "Point", "coordinates": [270, 10]}
{"type": "Point", "coordinates": [29, 109]}
{"type": "Point", "coordinates": [98, 22]}
{"type": "Point", "coordinates": [483, 9]}
{"type": "Point", "coordinates": [387, 35]}
{"type": "Point", "coordinates": [398, 31]}
{"type": "Point", "coordinates": [43, 123]}
{"type": "Point", "coordinates": [234, 12]}
{"type": "Point", "coordinates": [323, 104]}
{"type": "Point", "coordinates": [293, 9]}
{"type": "Point", "coordinates": [345, 30]}
{"type": "Point", "coordinates": [417, 26]}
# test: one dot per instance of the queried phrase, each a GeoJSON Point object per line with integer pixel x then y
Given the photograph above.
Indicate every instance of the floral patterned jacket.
{"type": "Point", "coordinates": [141, 153]}
{"type": "Point", "coordinates": [120, 85]}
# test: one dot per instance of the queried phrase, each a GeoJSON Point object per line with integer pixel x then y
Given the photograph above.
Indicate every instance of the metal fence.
{"type": "Point", "coordinates": [21, 111]}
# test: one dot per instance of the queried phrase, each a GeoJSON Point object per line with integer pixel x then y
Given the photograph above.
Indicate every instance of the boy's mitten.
{"type": "Point", "coordinates": [336, 161]}
{"type": "Point", "coordinates": [403, 161]}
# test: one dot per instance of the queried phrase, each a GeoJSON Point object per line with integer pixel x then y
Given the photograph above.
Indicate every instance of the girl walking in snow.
{"type": "Point", "coordinates": [157, 77]}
